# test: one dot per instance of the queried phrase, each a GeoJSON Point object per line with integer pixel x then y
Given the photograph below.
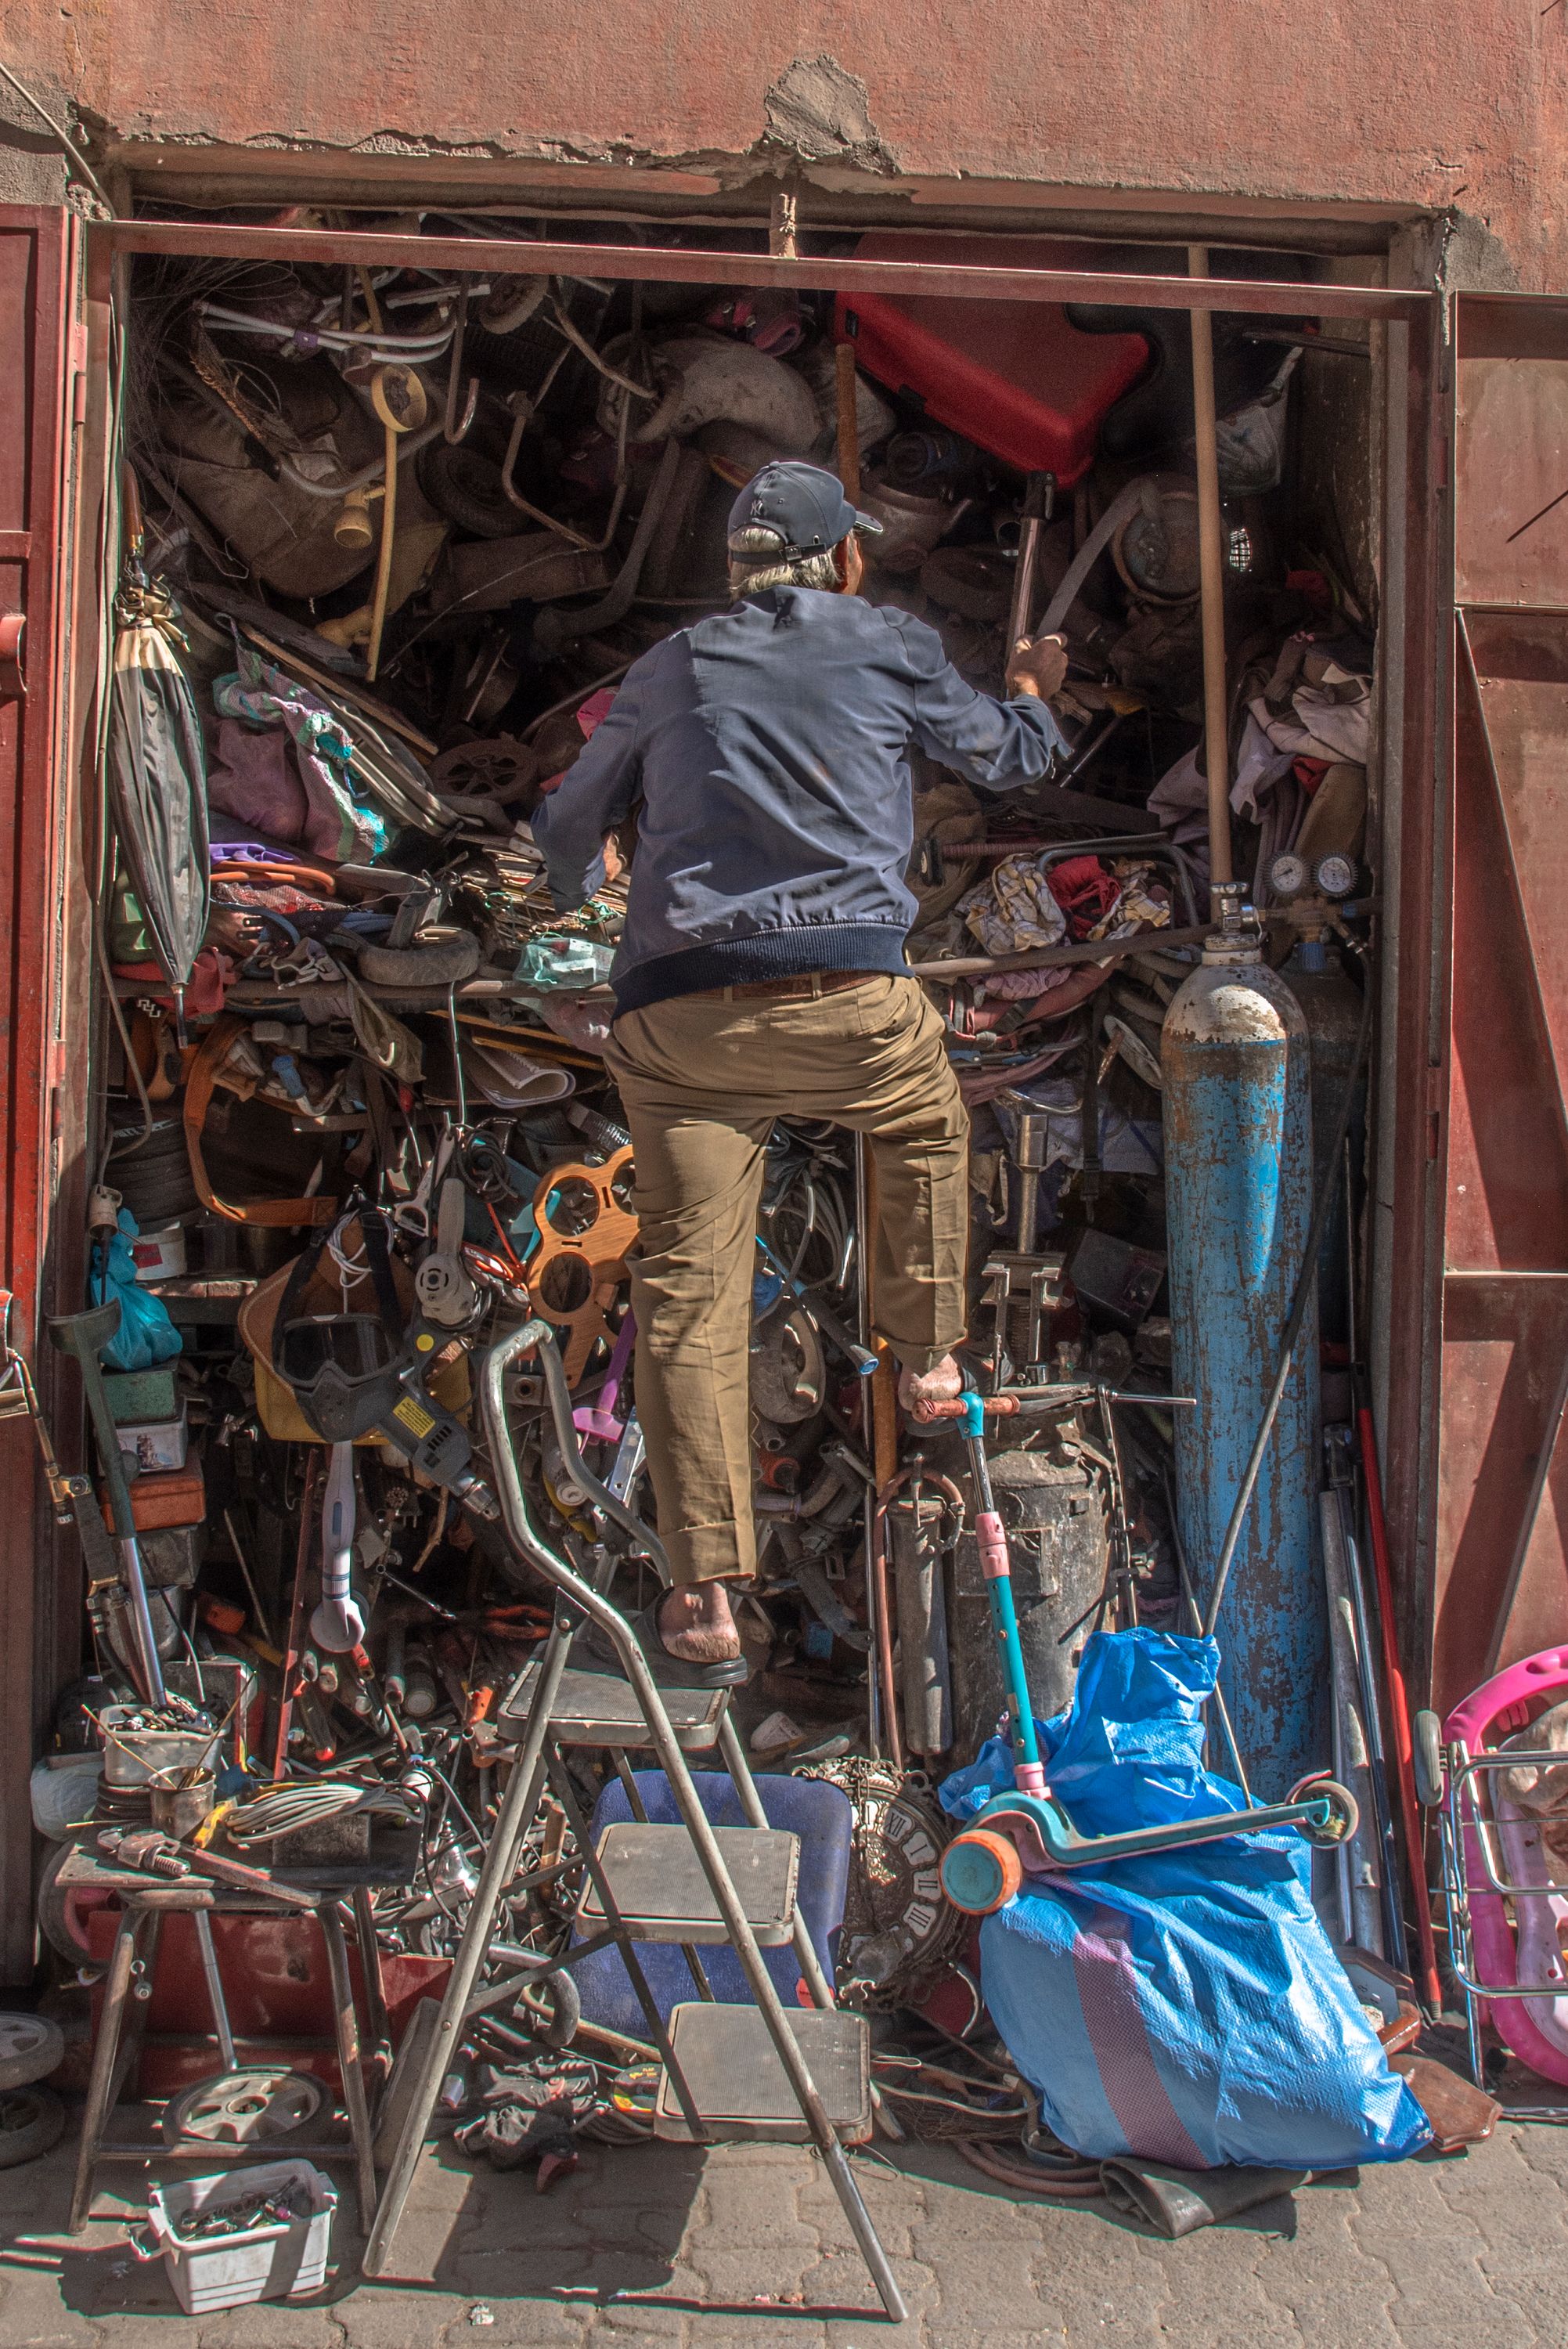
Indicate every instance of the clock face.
{"type": "Point", "coordinates": [902, 1867]}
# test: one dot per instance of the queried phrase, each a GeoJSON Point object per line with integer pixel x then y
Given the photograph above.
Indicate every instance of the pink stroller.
{"type": "Point", "coordinates": [1499, 1782]}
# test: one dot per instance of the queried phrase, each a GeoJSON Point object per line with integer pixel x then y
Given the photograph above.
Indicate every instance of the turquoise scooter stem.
{"type": "Point", "coordinates": [991, 1537]}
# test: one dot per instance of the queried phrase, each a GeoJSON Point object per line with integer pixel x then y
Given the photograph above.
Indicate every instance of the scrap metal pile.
{"type": "Point", "coordinates": [391, 538]}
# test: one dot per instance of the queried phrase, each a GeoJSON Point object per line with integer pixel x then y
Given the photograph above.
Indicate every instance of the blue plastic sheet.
{"type": "Point", "coordinates": [146, 1335]}
{"type": "Point", "coordinates": [1186, 2005]}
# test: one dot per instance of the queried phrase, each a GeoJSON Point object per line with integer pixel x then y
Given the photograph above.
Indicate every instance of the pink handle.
{"type": "Point", "coordinates": [990, 1538]}
{"type": "Point", "coordinates": [1496, 1956]}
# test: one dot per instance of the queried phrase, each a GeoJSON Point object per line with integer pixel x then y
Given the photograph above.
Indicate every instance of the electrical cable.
{"type": "Point", "coordinates": [72, 151]}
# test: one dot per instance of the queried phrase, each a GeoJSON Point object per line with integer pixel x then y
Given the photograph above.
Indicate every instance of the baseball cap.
{"type": "Point", "coordinates": [805, 504]}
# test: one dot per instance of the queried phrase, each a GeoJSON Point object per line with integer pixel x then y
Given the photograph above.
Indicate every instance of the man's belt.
{"type": "Point", "coordinates": [779, 991]}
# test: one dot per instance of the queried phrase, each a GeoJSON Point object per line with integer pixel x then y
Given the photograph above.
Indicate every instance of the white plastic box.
{"type": "Point", "coordinates": [281, 2262]}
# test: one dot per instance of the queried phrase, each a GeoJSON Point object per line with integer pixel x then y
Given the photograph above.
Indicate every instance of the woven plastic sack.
{"type": "Point", "coordinates": [1185, 2005]}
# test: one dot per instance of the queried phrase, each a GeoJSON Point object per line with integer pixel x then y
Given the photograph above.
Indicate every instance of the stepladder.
{"type": "Point", "coordinates": [759, 2069]}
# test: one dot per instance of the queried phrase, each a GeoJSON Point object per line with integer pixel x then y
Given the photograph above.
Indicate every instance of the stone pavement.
{"type": "Point", "coordinates": [745, 2248]}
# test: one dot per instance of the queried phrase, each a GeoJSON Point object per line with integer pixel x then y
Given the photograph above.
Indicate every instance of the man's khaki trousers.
{"type": "Point", "coordinates": [703, 1078]}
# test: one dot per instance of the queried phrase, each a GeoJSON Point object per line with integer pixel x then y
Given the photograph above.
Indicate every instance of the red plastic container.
{"type": "Point", "coordinates": [1013, 376]}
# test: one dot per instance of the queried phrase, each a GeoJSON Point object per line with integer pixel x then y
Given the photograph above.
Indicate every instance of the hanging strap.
{"type": "Point", "coordinates": [270, 1215]}
{"type": "Point", "coordinates": [372, 1232]}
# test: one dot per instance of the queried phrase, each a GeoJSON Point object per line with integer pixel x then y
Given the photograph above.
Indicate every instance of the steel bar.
{"type": "Point", "coordinates": [527, 256]}
{"type": "Point", "coordinates": [1212, 576]}
{"type": "Point", "coordinates": [518, 1806]}
{"type": "Point", "coordinates": [347, 2019]}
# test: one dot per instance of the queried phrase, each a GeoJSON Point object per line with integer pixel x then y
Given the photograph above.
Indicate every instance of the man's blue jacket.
{"type": "Point", "coordinates": [766, 753]}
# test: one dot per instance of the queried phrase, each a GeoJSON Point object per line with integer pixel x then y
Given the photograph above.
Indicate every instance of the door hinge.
{"type": "Point", "coordinates": [1436, 1095]}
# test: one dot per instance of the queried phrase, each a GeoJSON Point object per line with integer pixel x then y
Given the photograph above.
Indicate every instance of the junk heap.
{"type": "Point", "coordinates": [390, 540]}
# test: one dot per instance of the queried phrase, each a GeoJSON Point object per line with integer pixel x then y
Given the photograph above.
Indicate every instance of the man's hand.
{"type": "Point", "coordinates": [1038, 667]}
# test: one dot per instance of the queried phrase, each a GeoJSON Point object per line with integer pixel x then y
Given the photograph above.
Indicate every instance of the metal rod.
{"type": "Point", "coordinates": [868, 1433]}
{"type": "Point", "coordinates": [347, 2019]}
{"type": "Point", "coordinates": [102, 2084]}
{"type": "Point", "coordinates": [518, 1806]}
{"type": "Point", "coordinates": [745, 1786]}
{"type": "Point", "coordinates": [202, 1919]}
{"type": "Point", "coordinates": [526, 256]}
{"type": "Point", "coordinates": [1211, 578]}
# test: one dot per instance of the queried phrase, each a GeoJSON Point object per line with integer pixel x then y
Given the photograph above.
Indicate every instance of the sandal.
{"type": "Point", "coordinates": [669, 1672]}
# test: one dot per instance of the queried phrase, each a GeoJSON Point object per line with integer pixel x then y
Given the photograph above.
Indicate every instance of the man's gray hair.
{"type": "Point", "coordinates": [760, 557]}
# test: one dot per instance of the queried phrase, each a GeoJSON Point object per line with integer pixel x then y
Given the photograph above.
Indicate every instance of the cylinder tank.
{"type": "Point", "coordinates": [1239, 1196]}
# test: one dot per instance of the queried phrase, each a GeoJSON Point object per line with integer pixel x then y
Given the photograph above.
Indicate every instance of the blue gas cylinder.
{"type": "Point", "coordinates": [1239, 1198]}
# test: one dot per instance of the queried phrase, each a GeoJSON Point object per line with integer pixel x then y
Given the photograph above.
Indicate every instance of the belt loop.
{"type": "Point", "coordinates": [727, 993]}
{"type": "Point", "coordinates": [816, 984]}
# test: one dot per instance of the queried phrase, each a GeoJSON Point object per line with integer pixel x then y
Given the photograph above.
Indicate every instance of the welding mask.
{"type": "Point", "coordinates": [344, 1369]}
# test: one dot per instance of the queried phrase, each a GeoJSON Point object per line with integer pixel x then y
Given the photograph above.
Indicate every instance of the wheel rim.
{"type": "Point", "coordinates": [239, 2106]}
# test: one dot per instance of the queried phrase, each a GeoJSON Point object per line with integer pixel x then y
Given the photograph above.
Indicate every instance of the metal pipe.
{"type": "Point", "coordinates": [740, 1769]}
{"type": "Point", "coordinates": [517, 1807]}
{"type": "Point", "coordinates": [524, 256]}
{"type": "Point", "coordinates": [202, 1919]}
{"type": "Point", "coordinates": [1211, 577]}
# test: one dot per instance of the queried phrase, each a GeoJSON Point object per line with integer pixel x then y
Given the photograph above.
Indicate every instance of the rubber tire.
{"type": "Point", "coordinates": [466, 488]}
{"type": "Point", "coordinates": [1319, 1783]}
{"type": "Point", "coordinates": [444, 959]}
{"type": "Point", "coordinates": [56, 1909]}
{"type": "Point", "coordinates": [31, 2047]}
{"type": "Point", "coordinates": [1427, 1759]}
{"type": "Point", "coordinates": [31, 2123]}
{"type": "Point", "coordinates": [560, 2028]}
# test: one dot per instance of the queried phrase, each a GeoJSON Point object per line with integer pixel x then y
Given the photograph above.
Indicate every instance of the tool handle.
{"type": "Point", "coordinates": [861, 1357]}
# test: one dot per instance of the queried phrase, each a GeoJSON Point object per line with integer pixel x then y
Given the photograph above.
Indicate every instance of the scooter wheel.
{"type": "Point", "coordinates": [1427, 1759]}
{"type": "Point", "coordinates": [981, 1871]}
{"type": "Point", "coordinates": [1344, 1811]}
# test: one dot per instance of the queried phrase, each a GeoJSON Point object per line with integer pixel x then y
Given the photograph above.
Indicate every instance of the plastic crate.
{"type": "Point", "coordinates": [287, 2262]}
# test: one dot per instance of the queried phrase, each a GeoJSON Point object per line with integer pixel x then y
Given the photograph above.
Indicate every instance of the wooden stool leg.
{"type": "Point", "coordinates": [105, 2079]}
{"type": "Point", "coordinates": [353, 2103]}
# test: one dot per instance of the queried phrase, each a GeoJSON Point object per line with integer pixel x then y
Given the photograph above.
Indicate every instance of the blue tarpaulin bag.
{"type": "Point", "coordinates": [146, 1335]}
{"type": "Point", "coordinates": [1184, 2005]}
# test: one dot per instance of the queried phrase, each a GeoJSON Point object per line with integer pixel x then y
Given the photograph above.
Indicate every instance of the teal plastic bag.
{"type": "Point", "coordinates": [146, 1335]}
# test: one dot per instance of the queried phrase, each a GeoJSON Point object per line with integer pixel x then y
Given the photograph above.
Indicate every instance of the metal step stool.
{"type": "Point", "coordinates": [662, 1895]}
{"type": "Point", "coordinates": [731, 2068]}
{"type": "Point", "coordinates": [543, 1713]}
{"type": "Point", "coordinates": [601, 1709]}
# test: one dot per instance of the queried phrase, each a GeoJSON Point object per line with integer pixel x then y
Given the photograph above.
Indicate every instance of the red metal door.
{"type": "Point", "coordinates": [36, 253]}
{"type": "Point", "coordinates": [1501, 1529]}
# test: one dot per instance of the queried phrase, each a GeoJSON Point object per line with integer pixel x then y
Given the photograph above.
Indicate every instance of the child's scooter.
{"type": "Point", "coordinates": [1025, 1832]}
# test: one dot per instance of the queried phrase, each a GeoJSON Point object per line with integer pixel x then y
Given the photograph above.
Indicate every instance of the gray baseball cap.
{"type": "Point", "coordinates": [804, 503]}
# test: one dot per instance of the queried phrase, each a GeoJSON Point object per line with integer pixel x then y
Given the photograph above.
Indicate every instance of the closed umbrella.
{"type": "Point", "coordinates": [158, 776]}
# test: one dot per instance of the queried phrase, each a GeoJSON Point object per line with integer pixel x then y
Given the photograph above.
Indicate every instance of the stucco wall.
{"type": "Point", "coordinates": [1393, 103]}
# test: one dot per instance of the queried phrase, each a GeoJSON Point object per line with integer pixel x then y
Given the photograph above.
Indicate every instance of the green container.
{"type": "Point", "coordinates": [141, 1396]}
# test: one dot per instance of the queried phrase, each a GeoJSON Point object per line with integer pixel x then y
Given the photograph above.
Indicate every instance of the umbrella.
{"type": "Point", "coordinates": [158, 776]}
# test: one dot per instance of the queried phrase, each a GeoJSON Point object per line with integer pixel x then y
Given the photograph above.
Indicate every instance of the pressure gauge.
{"type": "Point", "coordinates": [1287, 874]}
{"type": "Point", "coordinates": [1336, 874]}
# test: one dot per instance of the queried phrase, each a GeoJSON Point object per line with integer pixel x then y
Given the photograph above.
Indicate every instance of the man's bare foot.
{"type": "Point", "coordinates": [696, 1624]}
{"type": "Point", "coordinates": [917, 1389]}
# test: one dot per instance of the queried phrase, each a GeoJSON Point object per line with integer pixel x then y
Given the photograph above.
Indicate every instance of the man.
{"type": "Point", "coordinates": [762, 975]}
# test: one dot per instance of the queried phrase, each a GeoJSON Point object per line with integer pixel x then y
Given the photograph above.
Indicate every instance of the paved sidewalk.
{"type": "Point", "coordinates": [745, 2248]}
